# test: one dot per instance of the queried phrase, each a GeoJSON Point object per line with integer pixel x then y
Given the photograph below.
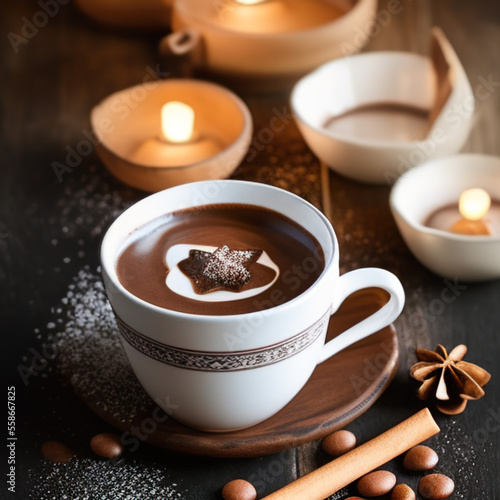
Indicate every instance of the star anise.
{"type": "Point", "coordinates": [449, 379]}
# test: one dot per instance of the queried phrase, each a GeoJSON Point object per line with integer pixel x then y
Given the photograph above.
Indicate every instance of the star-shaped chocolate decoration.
{"type": "Point", "coordinates": [448, 379]}
{"type": "Point", "coordinates": [222, 269]}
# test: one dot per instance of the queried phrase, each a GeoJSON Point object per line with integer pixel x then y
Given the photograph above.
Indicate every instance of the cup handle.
{"type": "Point", "coordinates": [357, 280]}
{"type": "Point", "coordinates": [182, 52]}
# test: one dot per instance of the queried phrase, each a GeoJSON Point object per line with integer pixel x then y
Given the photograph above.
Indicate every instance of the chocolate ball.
{"type": "Point", "coordinates": [376, 483]}
{"type": "Point", "coordinates": [403, 492]}
{"type": "Point", "coordinates": [107, 445]}
{"type": "Point", "coordinates": [436, 486]}
{"type": "Point", "coordinates": [239, 489]}
{"type": "Point", "coordinates": [420, 458]}
{"type": "Point", "coordinates": [57, 452]}
{"type": "Point", "coordinates": [339, 442]}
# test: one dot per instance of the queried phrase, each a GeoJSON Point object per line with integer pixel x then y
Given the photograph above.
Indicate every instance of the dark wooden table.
{"type": "Point", "coordinates": [51, 228]}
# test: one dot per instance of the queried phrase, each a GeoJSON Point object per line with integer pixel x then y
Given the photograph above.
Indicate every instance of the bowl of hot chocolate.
{"type": "Point", "coordinates": [223, 291]}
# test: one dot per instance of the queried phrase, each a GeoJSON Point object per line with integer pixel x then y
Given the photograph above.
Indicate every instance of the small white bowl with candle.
{"type": "Point", "coordinates": [271, 41]}
{"type": "Point", "coordinates": [164, 133]}
{"type": "Point", "coordinates": [448, 213]}
{"type": "Point", "coordinates": [372, 116]}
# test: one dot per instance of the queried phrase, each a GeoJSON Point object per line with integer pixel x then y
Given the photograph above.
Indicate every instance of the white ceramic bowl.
{"type": "Point", "coordinates": [396, 78]}
{"type": "Point", "coordinates": [424, 189]}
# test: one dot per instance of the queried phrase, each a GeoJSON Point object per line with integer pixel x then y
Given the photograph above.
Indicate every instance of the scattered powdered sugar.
{"type": "Point", "coordinates": [89, 203]}
{"type": "Point", "coordinates": [457, 452]}
{"type": "Point", "coordinates": [91, 356]}
{"type": "Point", "coordinates": [85, 479]}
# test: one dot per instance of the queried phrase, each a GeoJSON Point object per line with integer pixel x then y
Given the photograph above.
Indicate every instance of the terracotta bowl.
{"type": "Point", "coordinates": [126, 119]}
{"type": "Point", "coordinates": [271, 41]}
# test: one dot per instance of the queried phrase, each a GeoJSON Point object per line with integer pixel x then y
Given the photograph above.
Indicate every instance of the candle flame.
{"type": "Point", "coordinates": [177, 122]}
{"type": "Point", "coordinates": [474, 204]}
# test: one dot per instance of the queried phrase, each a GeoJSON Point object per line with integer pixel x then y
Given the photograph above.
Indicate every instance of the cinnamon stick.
{"type": "Point", "coordinates": [332, 477]}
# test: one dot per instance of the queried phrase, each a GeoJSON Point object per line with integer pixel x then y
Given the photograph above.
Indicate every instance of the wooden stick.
{"type": "Point", "coordinates": [332, 477]}
{"type": "Point", "coordinates": [325, 191]}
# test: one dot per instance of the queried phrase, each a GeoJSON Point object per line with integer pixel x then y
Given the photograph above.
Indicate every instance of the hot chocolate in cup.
{"type": "Point", "coordinates": [226, 362]}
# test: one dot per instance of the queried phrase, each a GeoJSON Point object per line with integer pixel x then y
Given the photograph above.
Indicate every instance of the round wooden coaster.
{"type": "Point", "coordinates": [340, 390]}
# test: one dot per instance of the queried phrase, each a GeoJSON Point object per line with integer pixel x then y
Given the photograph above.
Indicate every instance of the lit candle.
{"type": "Point", "coordinates": [473, 206]}
{"type": "Point", "coordinates": [178, 144]}
{"type": "Point", "coordinates": [177, 122]}
{"type": "Point", "coordinates": [475, 215]}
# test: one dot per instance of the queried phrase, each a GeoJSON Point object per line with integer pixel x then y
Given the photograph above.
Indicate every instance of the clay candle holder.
{"type": "Point", "coordinates": [171, 132]}
{"type": "Point", "coordinates": [267, 40]}
{"type": "Point", "coordinates": [425, 205]}
{"type": "Point", "coordinates": [372, 116]}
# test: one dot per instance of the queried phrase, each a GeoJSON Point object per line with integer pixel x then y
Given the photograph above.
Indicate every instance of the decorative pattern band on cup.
{"type": "Point", "coordinates": [221, 361]}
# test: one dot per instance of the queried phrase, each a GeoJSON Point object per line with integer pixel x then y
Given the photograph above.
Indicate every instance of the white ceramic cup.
{"type": "Point", "coordinates": [220, 373]}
